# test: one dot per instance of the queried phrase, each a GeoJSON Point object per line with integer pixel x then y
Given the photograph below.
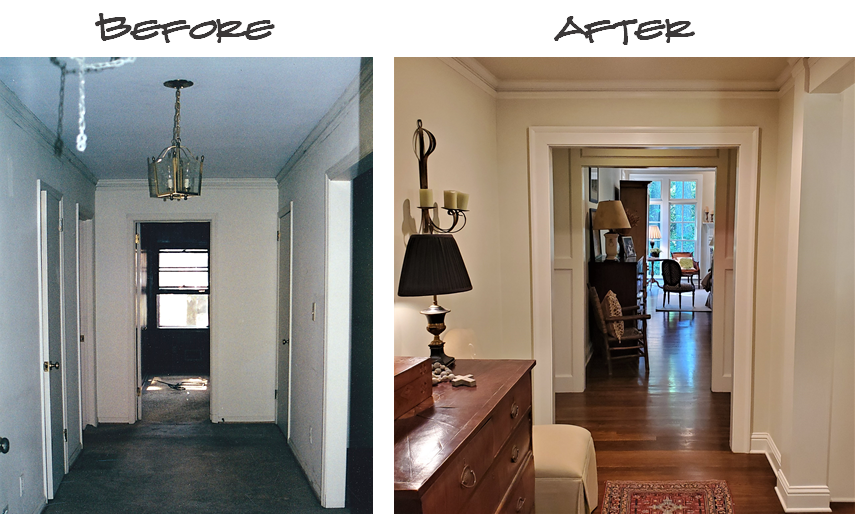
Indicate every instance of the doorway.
{"type": "Point", "coordinates": [173, 269]}
{"type": "Point", "coordinates": [745, 142]}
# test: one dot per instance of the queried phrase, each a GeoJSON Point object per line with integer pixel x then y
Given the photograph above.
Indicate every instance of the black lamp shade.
{"type": "Point", "coordinates": [433, 266]}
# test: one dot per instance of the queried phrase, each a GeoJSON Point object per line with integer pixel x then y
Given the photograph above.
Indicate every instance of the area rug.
{"type": "Point", "coordinates": [670, 308]}
{"type": "Point", "coordinates": [681, 497]}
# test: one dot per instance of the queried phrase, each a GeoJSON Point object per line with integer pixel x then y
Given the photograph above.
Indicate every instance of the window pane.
{"type": "Point", "coordinates": [689, 231]}
{"type": "Point", "coordinates": [183, 260]}
{"type": "Point", "coordinates": [673, 246]}
{"type": "Point", "coordinates": [676, 213]}
{"type": "Point", "coordinates": [183, 279]}
{"type": "Point", "coordinates": [654, 212]}
{"type": "Point", "coordinates": [689, 246]}
{"type": "Point", "coordinates": [676, 189]}
{"type": "Point", "coordinates": [182, 311]}
{"type": "Point", "coordinates": [689, 212]}
{"type": "Point", "coordinates": [675, 231]}
{"type": "Point", "coordinates": [655, 190]}
{"type": "Point", "coordinates": [690, 189]}
{"type": "Point", "coordinates": [657, 268]}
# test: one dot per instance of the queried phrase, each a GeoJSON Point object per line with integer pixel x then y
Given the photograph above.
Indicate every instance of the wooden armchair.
{"type": "Point", "coordinates": [633, 342]}
{"type": "Point", "coordinates": [695, 270]}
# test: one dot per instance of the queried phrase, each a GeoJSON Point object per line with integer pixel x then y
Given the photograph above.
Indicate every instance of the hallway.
{"type": "Point", "coordinates": [669, 425]}
{"type": "Point", "coordinates": [185, 468]}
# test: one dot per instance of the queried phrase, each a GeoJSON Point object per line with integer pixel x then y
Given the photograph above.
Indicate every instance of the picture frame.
{"type": "Point", "coordinates": [628, 247]}
{"type": "Point", "coordinates": [596, 243]}
{"type": "Point", "coordinates": [594, 185]}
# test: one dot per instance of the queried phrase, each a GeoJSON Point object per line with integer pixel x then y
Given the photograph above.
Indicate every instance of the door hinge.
{"type": "Point", "coordinates": [139, 391]}
{"type": "Point", "coordinates": [278, 235]}
{"type": "Point", "coordinates": [81, 338]}
{"type": "Point", "coordinates": [65, 434]}
{"type": "Point", "coordinates": [137, 238]}
{"type": "Point", "coordinates": [275, 394]}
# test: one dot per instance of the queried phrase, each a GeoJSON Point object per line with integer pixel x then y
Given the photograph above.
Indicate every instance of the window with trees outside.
{"type": "Point", "coordinates": [674, 209]}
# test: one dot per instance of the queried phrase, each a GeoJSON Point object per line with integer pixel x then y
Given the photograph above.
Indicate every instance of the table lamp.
{"type": "Point", "coordinates": [433, 266]}
{"type": "Point", "coordinates": [610, 216]}
{"type": "Point", "coordinates": [653, 234]}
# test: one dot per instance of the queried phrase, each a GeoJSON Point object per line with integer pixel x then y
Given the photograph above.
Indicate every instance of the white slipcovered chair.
{"type": "Point", "coordinates": [565, 470]}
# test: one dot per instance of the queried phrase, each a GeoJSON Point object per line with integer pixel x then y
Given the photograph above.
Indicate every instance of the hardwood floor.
{"type": "Point", "coordinates": [668, 425]}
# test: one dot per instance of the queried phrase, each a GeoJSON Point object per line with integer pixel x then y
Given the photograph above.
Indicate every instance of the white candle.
{"type": "Point", "coordinates": [425, 197]}
{"type": "Point", "coordinates": [450, 199]}
{"type": "Point", "coordinates": [169, 182]}
{"type": "Point", "coordinates": [186, 183]}
{"type": "Point", "coordinates": [462, 201]}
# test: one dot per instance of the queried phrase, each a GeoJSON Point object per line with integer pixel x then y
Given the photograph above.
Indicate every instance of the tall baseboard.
{"type": "Point", "coordinates": [814, 498]}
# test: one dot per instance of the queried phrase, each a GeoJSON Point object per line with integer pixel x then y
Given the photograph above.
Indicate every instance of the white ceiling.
{"type": "Point", "coordinates": [247, 116]}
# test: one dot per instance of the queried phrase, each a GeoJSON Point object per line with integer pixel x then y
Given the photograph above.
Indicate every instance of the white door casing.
{"type": "Point", "coordinates": [541, 140]}
{"type": "Point", "coordinates": [283, 369]}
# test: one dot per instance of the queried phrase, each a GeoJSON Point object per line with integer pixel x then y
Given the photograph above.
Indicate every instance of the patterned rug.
{"type": "Point", "coordinates": [682, 497]}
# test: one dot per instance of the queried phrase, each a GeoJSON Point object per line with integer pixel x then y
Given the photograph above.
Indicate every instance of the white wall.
{"type": "Point", "coordinates": [462, 117]}
{"type": "Point", "coordinates": [320, 345]}
{"type": "Point", "coordinates": [26, 155]}
{"type": "Point", "coordinates": [242, 302]}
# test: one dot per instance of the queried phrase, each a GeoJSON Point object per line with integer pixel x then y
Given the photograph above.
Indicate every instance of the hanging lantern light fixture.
{"type": "Point", "coordinates": [176, 173]}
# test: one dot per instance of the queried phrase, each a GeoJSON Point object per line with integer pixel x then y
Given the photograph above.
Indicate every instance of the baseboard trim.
{"type": "Point", "coordinates": [762, 442]}
{"type": "Point", "coordinates": [813, 498]}
{"type": "Point", "coordinates": [802, 498]}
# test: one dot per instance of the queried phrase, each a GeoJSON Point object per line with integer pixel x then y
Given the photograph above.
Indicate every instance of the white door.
{"type": "Point", "coordinates": [140, 281]}
{"type": "Point", "coordinates": [284, 357]}
{"type": "Point", "coordinates": [52, 344]}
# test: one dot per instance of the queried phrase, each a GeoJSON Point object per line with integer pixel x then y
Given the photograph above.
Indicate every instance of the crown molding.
{"type": "Point", "coordinates": [12, 106]}
{"type": "Point", "coordinates": [476, 73]}
{"type": "Point", "coordinates": [207, 184]}
{"type": "Point", "coordinates": [593, 95]}
{"type": "Point", "coordinates": [358, 91]}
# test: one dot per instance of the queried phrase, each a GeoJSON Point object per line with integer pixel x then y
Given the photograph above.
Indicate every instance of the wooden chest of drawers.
{"type": "Point", "coordinates": [471, 450]}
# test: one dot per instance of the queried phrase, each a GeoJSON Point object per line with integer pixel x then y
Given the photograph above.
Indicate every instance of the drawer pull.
{"type": "Point", "coordinates": [520, 504]}
{"type": "Point", "coordinates": [515, 453]}
{"type": "Point", "coordinates": [467, 472]}
{"type": "Point", "coordinates": [515, 410]}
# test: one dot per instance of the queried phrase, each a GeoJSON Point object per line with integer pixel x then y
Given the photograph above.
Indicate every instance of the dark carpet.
{"type": "Point", "coordinates": [185, 468]}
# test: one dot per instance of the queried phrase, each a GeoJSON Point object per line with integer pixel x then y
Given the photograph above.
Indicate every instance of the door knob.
{"type": "Point", "coordinates": [51, 365]}
{"type": "Point", "coordinates": [284, 341]}
{"type": "Point", "coordinates": [4, 445]}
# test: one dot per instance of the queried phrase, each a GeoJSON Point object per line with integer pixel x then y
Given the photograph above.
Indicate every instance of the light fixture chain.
{"type": "Point", "coordinates": [82, 69]}
{"type": "Point", "coordinates": [81, 104]}
{"type": "Point", "coordinates": [176, 131]}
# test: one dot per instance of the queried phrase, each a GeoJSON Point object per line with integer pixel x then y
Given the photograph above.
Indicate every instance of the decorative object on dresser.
{"type": "Point", "coordinates": [629, 343]}
{"type": "Point", "coordinates": [470, 451]}
{"type": "Point", "coordinates": [627, 247]}
{"type": "Point", "coordinates": [636, 201]}
{"type": "Point", "coordinates": [610, 216]}
{"type": "Point", "coordinates": [565, 469]}
{"type": "Point", "coordinates": [432, 263]}
{"type": "Point", "coordinates": [412, 383]}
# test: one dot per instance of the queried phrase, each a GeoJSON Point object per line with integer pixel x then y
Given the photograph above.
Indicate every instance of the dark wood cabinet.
{"type": "Point", "coordinates": [624, 277]}
{"type": "Point", "coordinates": [469, 449]}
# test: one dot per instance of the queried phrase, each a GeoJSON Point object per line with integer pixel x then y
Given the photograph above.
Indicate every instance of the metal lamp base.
{"type": "Point", "coordinates": [435, 315]}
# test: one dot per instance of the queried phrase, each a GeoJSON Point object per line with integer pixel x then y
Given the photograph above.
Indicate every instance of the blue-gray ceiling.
{"type": "Point", "coordinates": [247, 116]}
